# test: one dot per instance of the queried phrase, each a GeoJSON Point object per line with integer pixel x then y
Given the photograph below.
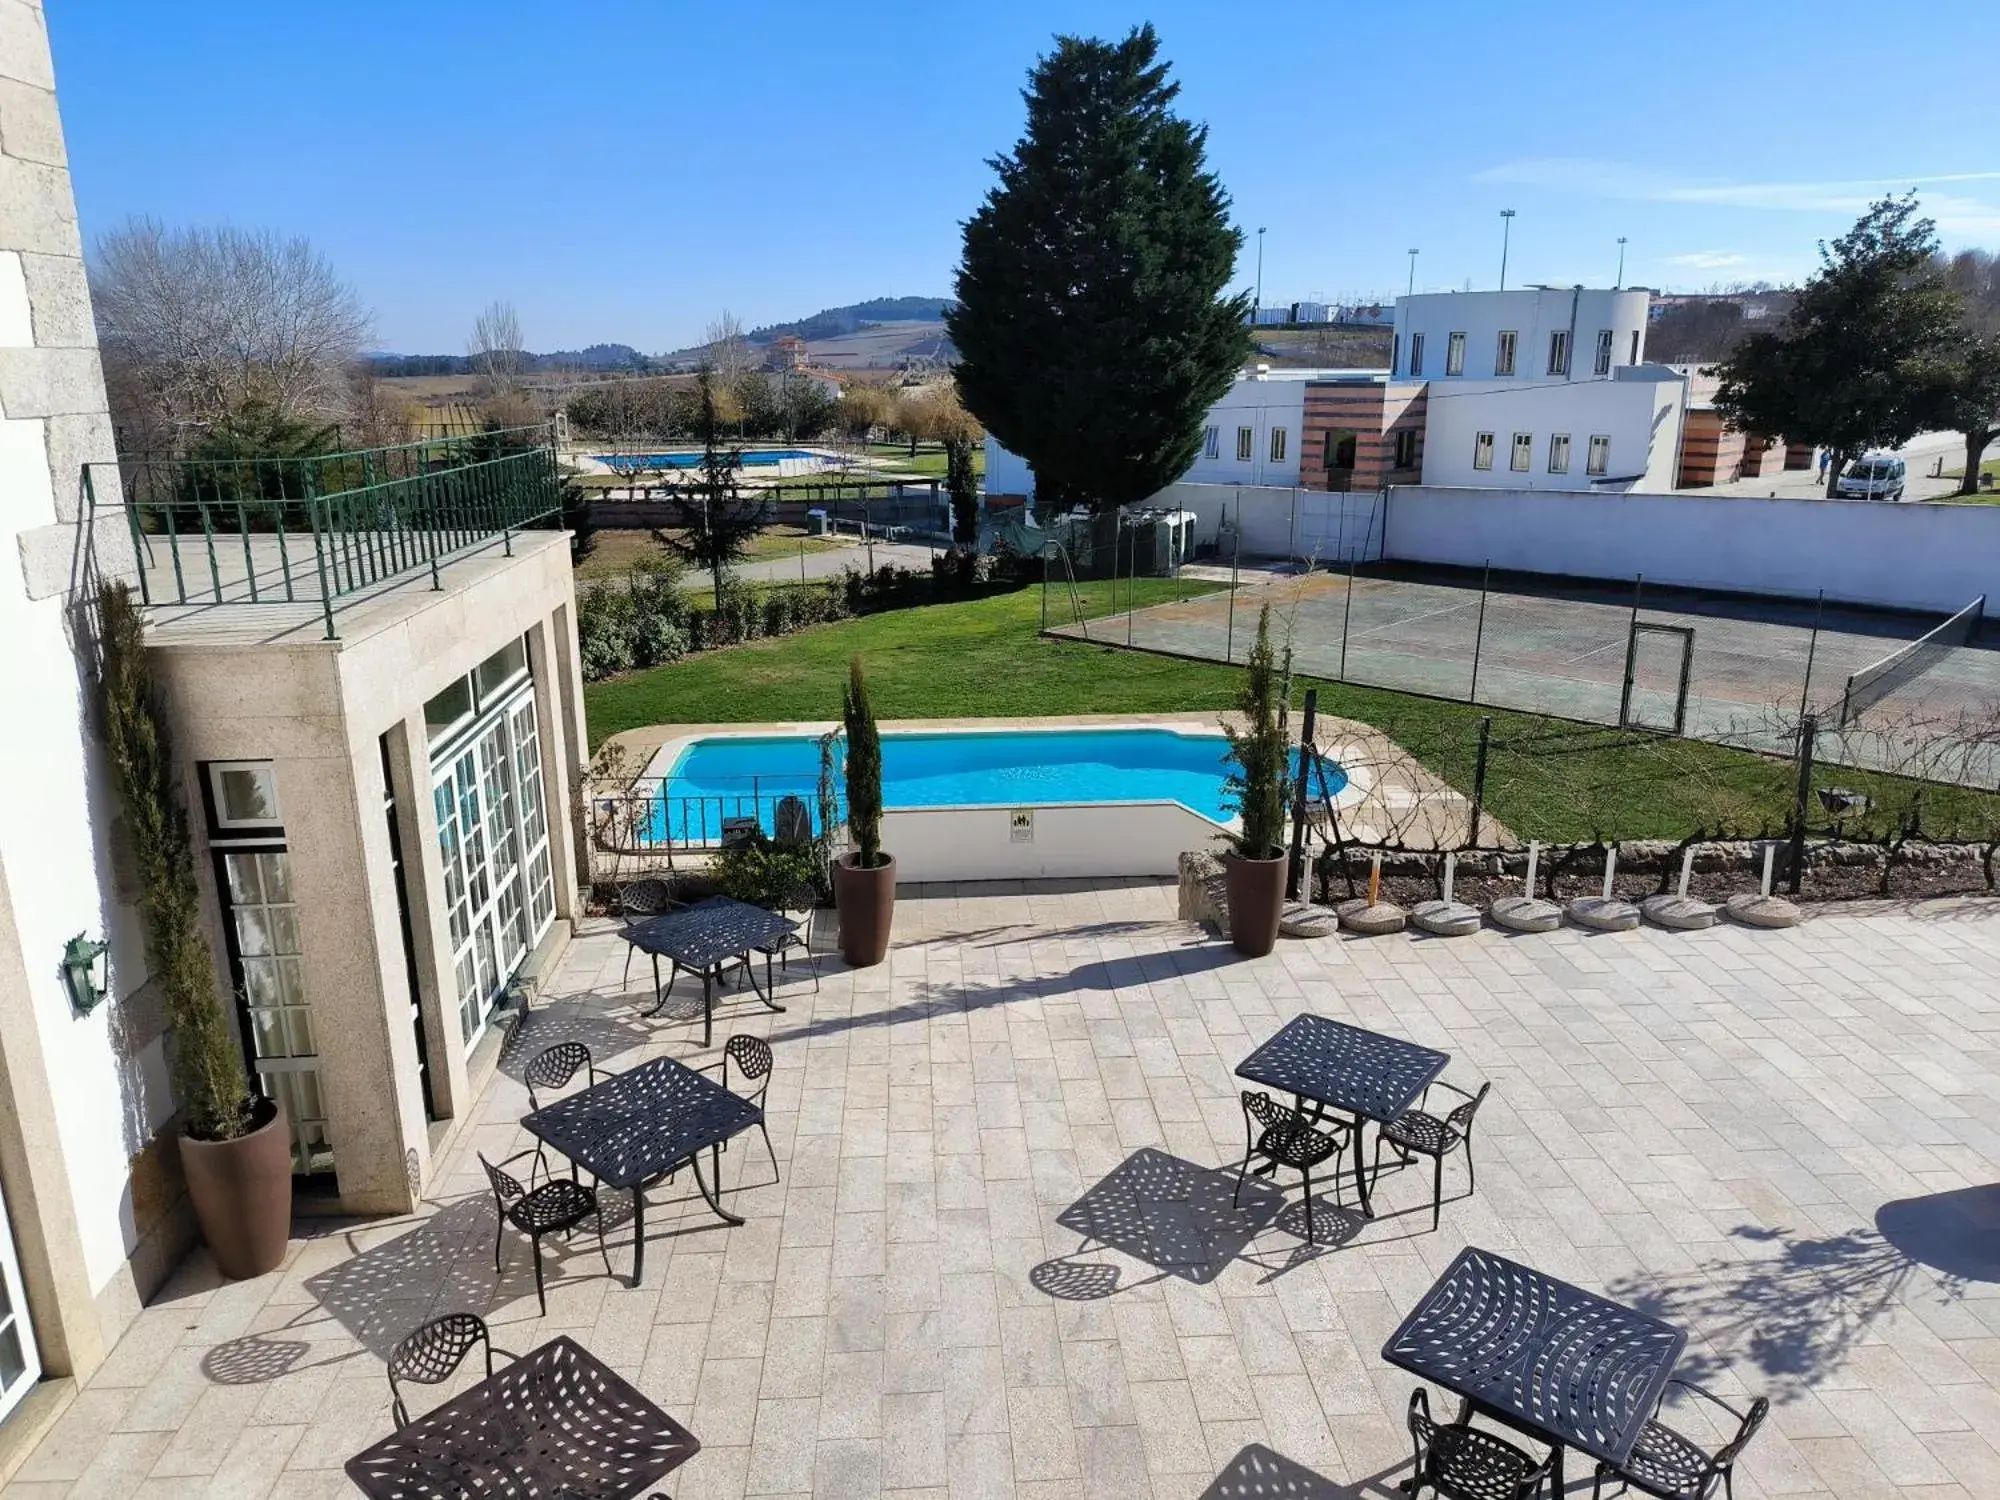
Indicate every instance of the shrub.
{"type": "Point", "coordinates": [864, 769]}
{"type": "Point", "coordinates": [763, 873]}
{"type": "Point", "coordinates": [604, 618]}
{"type": "Point", "coordinates": [1261, 750]}
{"type": "Point", "coordinates": [656, 640]}
{"type": "Point", "coordinates": [779, 615]}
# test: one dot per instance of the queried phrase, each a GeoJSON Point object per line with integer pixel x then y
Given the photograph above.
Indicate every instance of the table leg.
{"type": "Point", "coordinates": [1360, 1172]}
{"type": "Point", "coordinates": [707, 1007]}
{"type": "Point", "coordinates": [720, 1212]}
{"type": "Point", "coordinates": [769, 1003]}
{"type": "Point", "coordinates": [638, 1232]}
{"type": "Point", "coordinates": [660, 995]}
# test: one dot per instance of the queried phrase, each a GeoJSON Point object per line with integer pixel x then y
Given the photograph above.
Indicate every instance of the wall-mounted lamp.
{"type": "Point", "coordinates": [84, 973]}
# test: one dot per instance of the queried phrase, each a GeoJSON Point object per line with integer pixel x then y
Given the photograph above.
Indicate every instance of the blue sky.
{"type": "Point", "coordinates": [621, 170]}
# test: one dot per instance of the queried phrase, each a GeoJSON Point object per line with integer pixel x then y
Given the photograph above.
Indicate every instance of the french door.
{"type": "Point", "coordinates": [20, 1362]}
{"type": "Point", "coordinates": [493, 836]}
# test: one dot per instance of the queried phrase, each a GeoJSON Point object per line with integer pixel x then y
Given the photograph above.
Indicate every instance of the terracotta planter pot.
{"type": "Point", "coordinates": [242, 1191]}
{"type": "Point", "coordinates": [1256, 901]}
{"type": "Point", "coordinates": [866, 900]}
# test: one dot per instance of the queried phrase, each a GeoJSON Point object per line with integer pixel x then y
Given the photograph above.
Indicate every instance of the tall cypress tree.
{"type": "Point", "coordinates": [1091, 328]}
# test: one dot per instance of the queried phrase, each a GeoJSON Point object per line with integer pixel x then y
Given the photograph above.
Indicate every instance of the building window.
{"type": "Point", "coordinates": [1482, 451]}
{"type": "Point", "coordinates": [1395, 351]}
{"type": "Point", "coordinates": [1277, 445]}
{"type": "Point", "coordinates": [1406, 447]}
{"type": "Point", "coordinates": [1600, 456]}
{"type": "Point", "coordinates": [1522, 455]}
{"type": "Point", "coordinates": [1558, 453]}
{"type": "Point", "coordinates": [1634, 358]}
{"type": "Point", "coordinates": [1559, 352]}
{"type": "Point", "coordinates": [1244, 437]}
{"type": "Point", "coordinates": [1211, 443]}
{"type": "Point", "coordinates": [1416, 354]}
{"type": "Point", "coordinates": [1503, 353]}
{"type": "Point", "coordinates": [1603, 365]}
{"type": "Point", "coordinates": [1454, 354]}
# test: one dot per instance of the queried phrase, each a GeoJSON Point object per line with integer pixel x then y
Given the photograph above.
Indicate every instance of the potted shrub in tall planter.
{"type": "Point", "coordinates": [1253, 868]}
{"type": "Point", "coordinates": [864, 878]}
{"type": "Point", "coordinates": [235, 1146]}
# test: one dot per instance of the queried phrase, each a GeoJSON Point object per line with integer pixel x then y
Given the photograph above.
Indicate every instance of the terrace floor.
{"type": "Point", "coordinates": [1785, 1142]}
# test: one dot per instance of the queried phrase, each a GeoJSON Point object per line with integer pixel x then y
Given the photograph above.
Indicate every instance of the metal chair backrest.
{"type": "Point", "coordinates": [432, 1353]}
{"type": "Point", "coordinates": [751, 1054]}
{"type": "Point", "coordinates": [792, 821]}
{"type": "Point", "coordinates": [1265, 1110]}
{"type": "Point", "coordinates": [1726, 1455]}
{"type": "Point", "coordinates": [802, 901]}
{"type": "Point", "coordinates": [1460, 1119]}
{"type": "Point", "coordinates": [506, 1187]}
{"type": "Point", "coordinates": [553, 1067]}
{"type": "Point", "coordinates": [644, 898]}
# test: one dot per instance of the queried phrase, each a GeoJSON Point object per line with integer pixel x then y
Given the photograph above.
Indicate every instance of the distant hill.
{"type": "Point", "coordinates": [836, 322]}
{"type": "Point", "coordinates": [596, 358]}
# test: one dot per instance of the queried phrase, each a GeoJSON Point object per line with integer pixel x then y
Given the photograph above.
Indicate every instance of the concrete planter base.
{"type": "Point", "coordinates": [1371, 921]}
{"type": "Point", "coordinates": [1603, 913]}
{"type": "Point", "coordinates": [1446, 918]}
{"type": "Point", "coordinates": [1526, 914]}
{"type": "Point", "coordinates": [1678, 913]}
{"type": "Point", "coordinates": [1753, 910]}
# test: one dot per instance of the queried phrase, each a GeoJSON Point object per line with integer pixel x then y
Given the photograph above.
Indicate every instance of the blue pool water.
{"type": "Point", "coordinates": [745, 777]}
{"type": "Point", "coordinates": [626, 463]}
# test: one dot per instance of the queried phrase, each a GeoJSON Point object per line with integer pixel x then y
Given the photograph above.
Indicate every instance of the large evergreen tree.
{"type": "Point", "coordinates": [1092, 332]}
{"type": "Point", "coordinates": [1856, 364]}
{"type": "Point", "coordinates": [717, 520]}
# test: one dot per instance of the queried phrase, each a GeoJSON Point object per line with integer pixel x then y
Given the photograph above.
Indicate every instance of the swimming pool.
{"type": "Point", "coordinates": [753, 458]}
{"type": "Point", "coordinates": [719, 776]}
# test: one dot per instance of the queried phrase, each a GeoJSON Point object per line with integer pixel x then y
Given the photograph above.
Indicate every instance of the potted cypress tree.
{"type": "Point", "coordinates": [235, 1146]}
{"type": "Point", "coordinates": [864, 878]}
{"type": "Point", "coordinates": [1254, 866]}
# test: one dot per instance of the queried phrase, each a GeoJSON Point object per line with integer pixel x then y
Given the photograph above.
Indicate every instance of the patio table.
{"type": "Point", "coordinates": [1346, 1069]}
{"type": "Point", "coordinates": [1560, 1364]}
{"type": "Point", "coordinates": [553, 1423]}
{"type": "Point", "coordinates": [701, 939]}
{"type": "Point", "coordinates": [637, 1126]}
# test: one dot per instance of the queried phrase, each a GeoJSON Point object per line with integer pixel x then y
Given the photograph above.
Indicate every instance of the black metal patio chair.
{"type": "Point", "coordinates": [1673, 1467]}
{"type": "Point", "coordinates": [430, 1354]}
{"type": "Point", "coordinates": [637, 900]}
{"type": "Point", "coordinates": [799, 906]}
{"type": "Point", "coordinates": [553, 1068]}
{"type": "Point", "coordinates": [752, 1056]}
{"type": "Point", "coordinates": [556, 1207]}
{"type": "Point", "coordinates": [1463, 1462]}
{"type": "Point", "coordinates": [1415, 1132]}
{"type": "Point", "coordinates": [1281, 1137]}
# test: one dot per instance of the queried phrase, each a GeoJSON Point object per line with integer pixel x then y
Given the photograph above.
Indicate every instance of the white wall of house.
{"type": "Point", "coordinates": [85, 1096]}
{"type": "Point", "coordinates": [1638, 415]}
{"type": "Point", "coordinates": [1095, 840]}
{"type": "Point", "coordinates": [1532, 314]}
{"type": "Point", "coordinates": [1282, 520]}
{"type": "Point", "coordinates": [1925, 557]}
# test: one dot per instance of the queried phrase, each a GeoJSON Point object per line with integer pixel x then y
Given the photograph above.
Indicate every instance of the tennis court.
{"type": "Point", "coordinates": [1717, 667]}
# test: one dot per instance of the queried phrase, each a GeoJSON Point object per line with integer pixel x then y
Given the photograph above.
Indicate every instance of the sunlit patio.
{"type": "Point", "coordinates": [1002, 1253]}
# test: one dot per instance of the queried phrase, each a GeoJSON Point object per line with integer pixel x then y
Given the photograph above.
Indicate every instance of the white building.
{"type": "Point", "coordinates": [1540, 388]}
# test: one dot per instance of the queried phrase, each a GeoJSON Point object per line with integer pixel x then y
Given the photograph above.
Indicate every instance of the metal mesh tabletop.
{"type": "Point", "coordinates": [635, 1126]}
{"type": "Point", "coordinates": [554, 1425]}
{"type": "Point", "coordinates": [1538, 1353]}
{"type": "Point", "coordinates": [701, 936]}
{"type": "Point", "coordinates": [1344, 1067]}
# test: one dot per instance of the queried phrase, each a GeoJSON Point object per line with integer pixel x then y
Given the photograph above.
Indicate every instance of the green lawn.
{"type": "Point", "coordinates": [1983, 497]}
{"type": "Point", "coordinates": [617, 549]}
{"type": "Point", "coordinates": [1546, 778]}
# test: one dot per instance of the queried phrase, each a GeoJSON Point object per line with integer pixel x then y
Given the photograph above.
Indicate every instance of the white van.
{"type": "Point", "coordinates": [1873, 476]}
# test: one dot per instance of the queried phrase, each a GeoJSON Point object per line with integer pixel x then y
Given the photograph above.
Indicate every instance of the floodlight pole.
{"type": "Point", "coordinates": [1620, 280]}
{"type": "Point", "coordinates": [1412, 289]}
{"type": "Point", "coordinates": [1260, 275]}
{"type": "Point", "coordinates": [1506, 233]}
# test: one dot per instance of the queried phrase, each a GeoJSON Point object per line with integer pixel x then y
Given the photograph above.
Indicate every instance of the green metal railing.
{"type": "Point", "coordinates": [321, 527]}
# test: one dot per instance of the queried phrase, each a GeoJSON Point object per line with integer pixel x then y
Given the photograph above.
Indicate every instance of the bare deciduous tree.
{"type": "Point", "coordinates": [195, 321]}
{"type": "Point", "coordinates": [495, 347]}
{"type": "Point", "coordinates": [726, 352]}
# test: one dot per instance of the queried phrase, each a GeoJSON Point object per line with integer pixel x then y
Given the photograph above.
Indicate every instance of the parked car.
{"type": "Point", "coordinates": [1874, 476]}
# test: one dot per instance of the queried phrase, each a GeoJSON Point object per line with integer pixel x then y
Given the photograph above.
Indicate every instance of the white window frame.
{"type": "Point", "coordinates": [1482, 450]}
{"type": "Point", "coordinates": [1559, 351]}
{"type": "Point", "coordinates": [1277, 445]}
{"type": "Point", "coordinates": [1454, 354]}
{"type": "Point", "coordinates": [1211, 443]}
{"type": "Point", "coordinates": [1416, 355]}
{"type": "Point", "coordinates": [1604, 340]}
{"type": "Point", "coordinates": [1521, 453]}
{"type": "Point", "coordinates": [217, 769]}
{"type": "Point", "coordinates": [1598, 464]}
{"type": "Point", "coordinates": [15, 1319]}
{"type": "Point", "coordinates": [1558, 453]}
{"type": "Point", "coordinates": [1506, 348]}
{"type": "Point", "coordinates": [1246, 444]}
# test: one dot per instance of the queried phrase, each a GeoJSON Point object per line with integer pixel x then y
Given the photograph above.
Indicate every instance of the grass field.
{"type": "Point", "coordinates": [1546, 778]}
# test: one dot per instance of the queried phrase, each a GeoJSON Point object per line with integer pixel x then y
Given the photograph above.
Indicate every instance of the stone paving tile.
{"type": "Point", "coordinates": [1764, 1137]}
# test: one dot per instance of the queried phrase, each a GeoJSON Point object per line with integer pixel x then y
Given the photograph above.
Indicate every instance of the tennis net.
{"type": "Point", "coordinates": [1899, 668]}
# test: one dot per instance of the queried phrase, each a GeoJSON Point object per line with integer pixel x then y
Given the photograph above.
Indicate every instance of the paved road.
{"type": "Point", "coordinates": [1921, 453]}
